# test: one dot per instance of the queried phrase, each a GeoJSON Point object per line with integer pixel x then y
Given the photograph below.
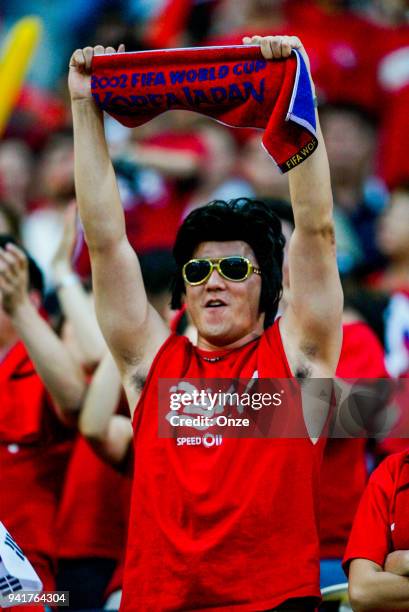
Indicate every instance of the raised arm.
{"type": "Point", "coordinates": [174, 163]}
{"type": "Point", "coordinates": [133, 330]}
{"type": "Point", "coordinates": [311, 325]}
{"type": "Point", "coordinates": [313, 319]}
{"type": "Point", "coordinates": [60, 374]}
{"type": "Point", "coordinates": [109, 434]}
{"type": "Point", "coordinates": [75, 302]}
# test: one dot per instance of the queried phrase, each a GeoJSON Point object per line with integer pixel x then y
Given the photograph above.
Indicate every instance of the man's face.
{"type": "Point", "coordinates": [349, 143]}
{"type": "Point", "coordinates": [393, 230]}
{"type": "Point", "coordinates": [225, 312]}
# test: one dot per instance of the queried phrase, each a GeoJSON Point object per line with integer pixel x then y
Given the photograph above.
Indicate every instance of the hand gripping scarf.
{"type": "Point", "coordinates": [234, 85]}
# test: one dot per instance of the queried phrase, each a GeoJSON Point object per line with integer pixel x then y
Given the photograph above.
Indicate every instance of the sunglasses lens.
{"type": "Point", "coordinates": [196, 271]}
{"type": "Point", "coordinates": [234, 268]}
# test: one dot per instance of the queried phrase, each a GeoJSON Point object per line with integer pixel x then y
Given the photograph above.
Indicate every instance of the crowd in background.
{"type": "Point", "coordinates": [359, 52]}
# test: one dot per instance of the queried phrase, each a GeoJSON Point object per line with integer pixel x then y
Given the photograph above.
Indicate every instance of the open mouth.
{"type": "Point", "coordinates": [215, 304]}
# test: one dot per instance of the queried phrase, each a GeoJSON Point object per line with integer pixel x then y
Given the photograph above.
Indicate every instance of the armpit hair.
{"type": "Point", "coordinates": [138, 381]}
{"type": "Point", "coordinates": [303, 372]}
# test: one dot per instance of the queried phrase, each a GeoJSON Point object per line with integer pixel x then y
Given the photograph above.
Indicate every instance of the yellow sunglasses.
{"type": "Point", "coordinates": [234, 268]}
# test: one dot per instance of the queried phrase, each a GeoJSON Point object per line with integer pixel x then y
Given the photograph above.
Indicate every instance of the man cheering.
{"type": "Point", "coordinates": [232, 527]}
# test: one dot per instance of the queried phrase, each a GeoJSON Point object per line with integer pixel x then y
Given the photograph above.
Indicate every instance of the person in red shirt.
{"type": "Point", "coordinates": [390, 54]}
{"type": "Point", "coordinates": [377, 555]}
{"type": "Point", "coordinates": [393, 242]}
{"type": "Point", "coordinates": [34, 444]}
{"type": "Point", "coordinates": [109, 432]}
{"type": "Point", "coordinates": [340, 43]}
{"type": "Point", "coordinates": [220, 527]}
{"type": "Point", "coordinates": [344, 470]}
{"type": "Point", "coordinates": [91, 523]}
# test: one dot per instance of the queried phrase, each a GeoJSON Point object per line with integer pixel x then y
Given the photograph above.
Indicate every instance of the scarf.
{"type": "Point", "coordinates": [234, 85]}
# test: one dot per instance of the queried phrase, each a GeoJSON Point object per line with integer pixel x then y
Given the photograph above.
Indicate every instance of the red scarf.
{"type": "Point", "coordinates": [234, 85]}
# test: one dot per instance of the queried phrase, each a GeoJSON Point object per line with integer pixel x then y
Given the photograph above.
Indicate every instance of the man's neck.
{"type": "Point", "coordinates": [207, 345]}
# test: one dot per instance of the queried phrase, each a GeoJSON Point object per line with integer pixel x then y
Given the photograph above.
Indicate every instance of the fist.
{"type": "Point", "coordinates": [79, 76]}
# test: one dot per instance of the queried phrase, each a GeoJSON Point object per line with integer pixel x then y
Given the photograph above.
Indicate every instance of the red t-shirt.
{"type": "Point", "coordinates": [231, 527]}
{"type": "Point", "coordinates": [344, 474]}
{"type": "Point", "coordinates": [340, 48]}
{"type": "Point", "coordinates": [33, 455]}
{"type": "Point", "coordinates": [381, 523]}
{"type": "Point", "coordinates": [93, 515]}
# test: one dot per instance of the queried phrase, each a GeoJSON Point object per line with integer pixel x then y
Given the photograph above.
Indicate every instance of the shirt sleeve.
{"type": "Point", "coordinates": [370, 536]}
{"type": "Point", "coordinates": [353, 362]}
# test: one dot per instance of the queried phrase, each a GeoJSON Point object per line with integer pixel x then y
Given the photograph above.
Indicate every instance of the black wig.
{"type": "Point", "coordinates": [245, 219]}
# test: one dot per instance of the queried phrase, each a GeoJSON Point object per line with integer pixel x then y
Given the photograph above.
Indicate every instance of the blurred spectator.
{"type": "Point", "coordinates": [340, 46]}
{"type": "Point", "coordinates": [350, 137]}
{"type": "Point", "coordinates": [353, 58]}
{"type": "Point", "coordinates": [38, 114]}
{"type": "Point", "coordinates": [16, 167]}
{"type": "Point", "coordinates": [9, 220]}
{"type": "Point", "coordinates": [393, 161]}
{"type": "Point", "coordinates": [42, 229]}
{"type": "Point", "coordinates": [343, 470]}
{"type": "Point", "coordinates": [110, 435]}
{"type": "Point", "coordinates": [55, 171]}
{"type": "Point", "coordinates": [33, 442]}
{"type": "Point", "coordinates": [393, 240]}
{"type": "Point", "coordinates": [218, 173]}
{"type": "Point", "coordinates": [393, 281]}
{"type": "Point", "coordinates": [233, 20]}
{"type": "Point", "coordinates": [388, 12]}
{"type": "Point", "coordinates": [92, 525]}
{"type": "Point", "coordinates": [344, 467]}
{"type": "Point", "coordinates": [338, 42]}
{"type": "Point", "coordinates": [176, 150]}
{"type": "Point", "coordinates": [167, 27]}
{"type": "Point", "coordinates": [350, 141]}
{"type": "Point", "coordinates": [159, 173]}
{"type": "Point", "coordinates": [397, 335]}
{"type": "Point", "coordinates": [258, 170]}
{"type": "Point", "coordinates": [391, 58]}
{"type": "Point", "coordinates": [91, 522]}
